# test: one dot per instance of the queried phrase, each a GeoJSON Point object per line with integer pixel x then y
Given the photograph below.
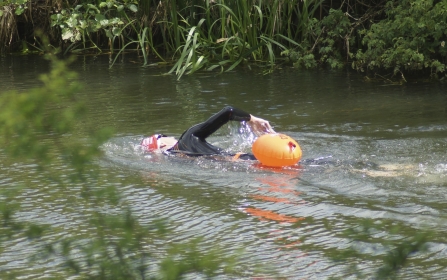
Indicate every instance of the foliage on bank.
{"type": "Point", "coordinates": [398, 37]}
{"type": "Point", "coordinates": [411, 38]}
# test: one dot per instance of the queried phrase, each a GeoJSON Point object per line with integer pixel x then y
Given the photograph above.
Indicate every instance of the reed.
{"type": "Point", "coordinates": [8, 26]}
{"type": "Point", "coordinates": [234, 32]}
{"type": "Point", "coordinates": [226, 33]}
{"type": "Point", "coordinates": [241, 22]}
{"type": "Point", "coordinates": [188, 57]}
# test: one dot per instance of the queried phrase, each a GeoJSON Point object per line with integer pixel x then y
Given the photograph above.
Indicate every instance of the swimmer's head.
{"type": "Point", "coordinates": [158, 142]}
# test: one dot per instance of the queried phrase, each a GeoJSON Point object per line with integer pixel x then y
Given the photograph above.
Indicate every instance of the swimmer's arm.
{"type": "Point", "coordinates": [228, 113]}
{"type": "Point", "coordinates": [259, 126]}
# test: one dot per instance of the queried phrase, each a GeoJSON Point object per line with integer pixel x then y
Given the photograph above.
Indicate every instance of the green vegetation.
{"type": "Point", "coordinates": [411, 38]}
{"type": "Point", "coordinates": [38, 131]}
{"type": "Point", "coordinates": [395, 37]}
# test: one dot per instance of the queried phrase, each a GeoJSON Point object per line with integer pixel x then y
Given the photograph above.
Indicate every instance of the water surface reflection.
{"type": "Point", "coordinates": [383, 150]}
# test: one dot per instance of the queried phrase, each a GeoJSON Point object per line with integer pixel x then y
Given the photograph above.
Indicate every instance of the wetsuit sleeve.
{"type": "Point", "coordinates": [229, 113]}
{"type": "Point", "coordinates": [193, 140]}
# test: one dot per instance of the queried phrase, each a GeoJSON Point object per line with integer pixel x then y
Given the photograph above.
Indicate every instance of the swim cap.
{"type": "Point", "coordinates": [151, 143]}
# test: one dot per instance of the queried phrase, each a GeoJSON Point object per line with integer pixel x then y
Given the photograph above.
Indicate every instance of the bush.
{"type": "Point", "coordinates": [329, 39]}
{"type": "Point", "coordinates": [411, 38]}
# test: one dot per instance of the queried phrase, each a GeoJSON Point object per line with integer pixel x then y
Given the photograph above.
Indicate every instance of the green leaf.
{"type": "Point", "coordinates": [99, 17]}
{"type": "Point", "coordinates": [66, 34]}
{"type": "Point", "coordinates": [133, 8]}
{"type": "Point", "coordinates": [116, 31]}
{"type": "Point", "coordinates": [83, 24]}
{"type": "Point", "coordinates": [77, 38]}
{"type": "Point", "coordinates": [19, 10]}
{"type": "Point", "coordinates": [72, 22]}
{"type": "Point", "coordinates": [109, 34]}
{"type": "Point", "coordinates": [212, 67]}
{"type": "Point", "coordinates": [120, 8]}
{"type": "Point", "coordinates": [104, 22]}
{"type": "Point", "coordinates": [1, 13]}
{"type": "Point", "coordinates": [90, 6]}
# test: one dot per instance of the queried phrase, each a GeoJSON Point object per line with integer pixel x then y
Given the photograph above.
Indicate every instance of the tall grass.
{"type": "Point", "coordinates": [232, 32]}
{"type": "Point", "coordinates": [227, 33]}
{"type": "Point", "coordinates": [169, 21]}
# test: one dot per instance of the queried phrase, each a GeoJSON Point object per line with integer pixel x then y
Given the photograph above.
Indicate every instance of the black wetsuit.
{"type": "Point", "coordinates": [193, 141]}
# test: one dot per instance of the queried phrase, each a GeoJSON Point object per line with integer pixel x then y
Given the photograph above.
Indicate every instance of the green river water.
{"type": "Point", "coordinates": [370, 151]}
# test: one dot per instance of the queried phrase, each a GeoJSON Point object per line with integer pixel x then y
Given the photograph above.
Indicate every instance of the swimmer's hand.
{"type": "Point", "coordinates": [260, 126]}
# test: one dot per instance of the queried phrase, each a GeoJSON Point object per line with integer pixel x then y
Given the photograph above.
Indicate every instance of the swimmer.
{"type": "Point", "coordinates": [193, 141]}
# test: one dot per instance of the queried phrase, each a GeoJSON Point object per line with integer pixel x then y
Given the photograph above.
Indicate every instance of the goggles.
{"type": "Point", "coordinates": [152, 143]}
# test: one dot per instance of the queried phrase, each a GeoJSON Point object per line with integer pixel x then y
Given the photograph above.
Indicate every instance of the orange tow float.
{"type": "Point", "coordinates": [276, 150]}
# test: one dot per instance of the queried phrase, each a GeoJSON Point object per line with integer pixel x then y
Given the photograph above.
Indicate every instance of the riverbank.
{"type": "Point", "coordinates": [207, 35]}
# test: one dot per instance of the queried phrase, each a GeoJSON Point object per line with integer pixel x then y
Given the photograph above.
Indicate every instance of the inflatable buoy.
{"type": "Point", "coordinates": [276, 150]}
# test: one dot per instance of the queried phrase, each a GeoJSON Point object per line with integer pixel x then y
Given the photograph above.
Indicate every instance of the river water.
{"type": "Point", "coordinates": [371, 151]}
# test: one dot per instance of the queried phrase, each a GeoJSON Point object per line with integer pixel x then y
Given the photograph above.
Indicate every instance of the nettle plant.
{"type": "Point", "coordinates": [411, 38]}
{"type": "Point", "coordinates": [78, 23]}
{"type": "Point", "coordinates": [326, 42]}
